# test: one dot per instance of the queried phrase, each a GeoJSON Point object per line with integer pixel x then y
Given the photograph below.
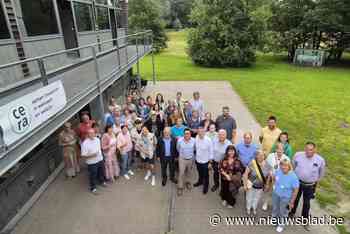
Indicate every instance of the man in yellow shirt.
{"type": "Point", "coordinates": [269, 135]}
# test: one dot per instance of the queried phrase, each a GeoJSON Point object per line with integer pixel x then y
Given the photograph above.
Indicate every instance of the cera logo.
{"type": "Point", "coordinates": [19, 117]}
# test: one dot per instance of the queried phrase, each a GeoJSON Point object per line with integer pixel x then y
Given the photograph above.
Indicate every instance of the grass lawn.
{"type": "Point", "coordinates": [310, 103]}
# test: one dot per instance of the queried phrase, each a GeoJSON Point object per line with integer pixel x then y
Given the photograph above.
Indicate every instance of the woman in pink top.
{"type": "Point", "coordinates": [109, 148]}
{"type": "Point", "coordinates": [125, 147]}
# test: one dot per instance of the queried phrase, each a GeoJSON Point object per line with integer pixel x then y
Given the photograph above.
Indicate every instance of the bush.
{"type": "Point", "coordinates": [224, 34]}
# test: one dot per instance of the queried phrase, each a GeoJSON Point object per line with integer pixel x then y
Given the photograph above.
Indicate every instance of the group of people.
{"type": "Point", "coordinates": [181, 135]}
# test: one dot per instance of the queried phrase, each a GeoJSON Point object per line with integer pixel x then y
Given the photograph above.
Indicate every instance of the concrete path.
{"type": "Point", "coordinates": [136, 207]}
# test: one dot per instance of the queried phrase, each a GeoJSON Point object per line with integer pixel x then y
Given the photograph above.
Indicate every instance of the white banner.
{"type": "Point", "coordinates": [24, 114]}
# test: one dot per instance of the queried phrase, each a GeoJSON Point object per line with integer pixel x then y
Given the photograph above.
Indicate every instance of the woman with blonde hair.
{"type": "Point", "coordinates": [286, 186]}
{"type": "Point", "coordinates": [256, 180]}
{"type": "Point", "coordinates": [273, 159]}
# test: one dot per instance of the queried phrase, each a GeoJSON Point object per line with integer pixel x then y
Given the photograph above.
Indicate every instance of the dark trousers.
{"type": "Point", "coordinates": [226, 194]}
{"type": "Point", "coordinates": [96, 174]}
{"type": "Point", "coordinates": [216, 174]}
{"type": "Point", "coordinates": [166, 162]}
{"type": "Point", "coordinates": [203, 173]}
{"type": "Point", "coordinates": [308, 192]}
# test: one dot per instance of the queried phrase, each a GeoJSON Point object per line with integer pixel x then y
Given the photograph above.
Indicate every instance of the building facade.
{"type": "Point", "coordinates": [81, 43]}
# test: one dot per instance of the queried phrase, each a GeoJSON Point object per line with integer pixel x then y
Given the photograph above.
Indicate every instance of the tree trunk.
{"type": "Point", "coordinates": [319, 40]}
{"type": "Point", "coordinates": [291, 53]}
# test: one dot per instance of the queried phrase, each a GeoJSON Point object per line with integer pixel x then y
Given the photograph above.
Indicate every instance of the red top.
{"type": "Point", "coordinates": [83, 129]}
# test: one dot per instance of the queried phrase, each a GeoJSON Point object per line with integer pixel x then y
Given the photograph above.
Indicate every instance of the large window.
{"type": "Point", "coordinates": [4, 31]}
{"type": "Point", "coordinates": [39, 17]}
{"type": "Point", "coordinates": [102, 18]}
{"type": "Point", "coordinates": [83, 15]}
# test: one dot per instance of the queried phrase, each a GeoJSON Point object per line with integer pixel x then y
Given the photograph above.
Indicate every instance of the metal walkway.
{"type": "Point", "coordinates": [83, 80]}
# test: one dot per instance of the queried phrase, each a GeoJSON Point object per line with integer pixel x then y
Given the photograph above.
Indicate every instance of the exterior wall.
{"type": "Point", "coordinates": [10, 75]}
{"type": "Point", "coordinates": [106, 36]}
{"type": "Point", "coordinates": [86, 38]}
{"type": "Point", "coordinates": [121, 32]}
{"type": "Point", "coordinates": [36, 48]}
{"type": "Point", "coordinates": [17, 187]}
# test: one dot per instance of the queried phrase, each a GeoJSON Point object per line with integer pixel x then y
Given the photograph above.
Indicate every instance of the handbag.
{"type": "Point", "coordinates": [259, 172]}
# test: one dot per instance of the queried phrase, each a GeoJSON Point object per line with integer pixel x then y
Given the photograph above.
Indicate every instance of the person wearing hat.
{"type": "Point", "coordinates": [155, 124]}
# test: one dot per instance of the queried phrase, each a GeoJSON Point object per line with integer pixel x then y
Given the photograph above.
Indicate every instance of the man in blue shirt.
{"type": "Point", "coordinates": [246, 149]}
{"type": "Point", "coordinates": [177, 130]}
{"type": "Point", "coordinates": [186, 151]}
{"type": "Point", "coordinates": [166, 151]}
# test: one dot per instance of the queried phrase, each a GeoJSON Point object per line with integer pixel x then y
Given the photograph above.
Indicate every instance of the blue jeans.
{"type": "Point", "coordinates": [125, 163]}
{"type": "Point", "coordinates": [96, 174]}
{"type": "Point", "coordinates": [279, 207]}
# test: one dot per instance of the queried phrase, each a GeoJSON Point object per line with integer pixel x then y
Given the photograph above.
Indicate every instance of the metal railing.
{"type": "Point", "coordinates": [91, 75]}
{"type": "Point", "coordinates": [44, 75]}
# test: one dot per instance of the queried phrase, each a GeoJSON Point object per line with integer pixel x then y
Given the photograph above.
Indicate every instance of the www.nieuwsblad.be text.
{"type": "Point", "coordinates": [217, 219]}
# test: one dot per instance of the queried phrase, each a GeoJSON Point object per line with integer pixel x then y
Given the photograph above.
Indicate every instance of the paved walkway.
{"type": "Point", "coordinates": [134, 206]}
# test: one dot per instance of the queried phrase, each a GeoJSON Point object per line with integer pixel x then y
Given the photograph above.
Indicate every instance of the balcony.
{"type": "Point", "coordinates": [83, 78]}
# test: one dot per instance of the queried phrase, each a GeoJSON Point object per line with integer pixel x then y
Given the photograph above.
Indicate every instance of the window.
{"type": "Point", "coordinates": [102, 18]}
{"type": "Point", "coordinates": [4, 31]}
{"type": "Point", "coordinates": [83, 15]}
{"type": "Point", "coordinates": [39, 17]}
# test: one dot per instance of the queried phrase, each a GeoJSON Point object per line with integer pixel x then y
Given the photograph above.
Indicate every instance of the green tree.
{"type": "Point", "coordinates": [331, 26]}
{"type": "Point", "coordinates": [224, 35]}
{"type": "Point", "coordinates": [314, 24]}
{"type": "Point", "coordinates": [288, 20]}
{"type": "Point", "coordinates": [146, 15]}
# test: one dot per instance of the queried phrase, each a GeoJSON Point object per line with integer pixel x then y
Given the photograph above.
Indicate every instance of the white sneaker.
{"type": "Point", "coordinates": [264, 206]}
{"type": "Point", "coordinates": [279, 228]}
{"type": "Point", "coordinates": [126, 177]}
{"type": "Point", "coordinates": [229, 207]}
{"type": "Point", "coordinates": [153, 183]}
{"type": "Point", "coordinates": [148, 174]}
{"type": "Point", "coordinates": [224, 203]}
{"type": "Point", "coordinates": [131, 172]}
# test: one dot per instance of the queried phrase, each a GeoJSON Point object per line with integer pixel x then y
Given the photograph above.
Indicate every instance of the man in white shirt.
{"type": "Point", "coordinates": [91, 152]}
{"type": "Point", "coordinates": [204, 154]}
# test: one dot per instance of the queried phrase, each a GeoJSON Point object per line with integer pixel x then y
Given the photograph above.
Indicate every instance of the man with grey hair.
{"type": "Point", "coordinates": [219, 149]}
{"type": "Point", "coordinates": [166, 151]}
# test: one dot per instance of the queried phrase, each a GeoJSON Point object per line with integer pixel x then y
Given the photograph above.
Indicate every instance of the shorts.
{"type": "Point", "coordinates": [148, 160]}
